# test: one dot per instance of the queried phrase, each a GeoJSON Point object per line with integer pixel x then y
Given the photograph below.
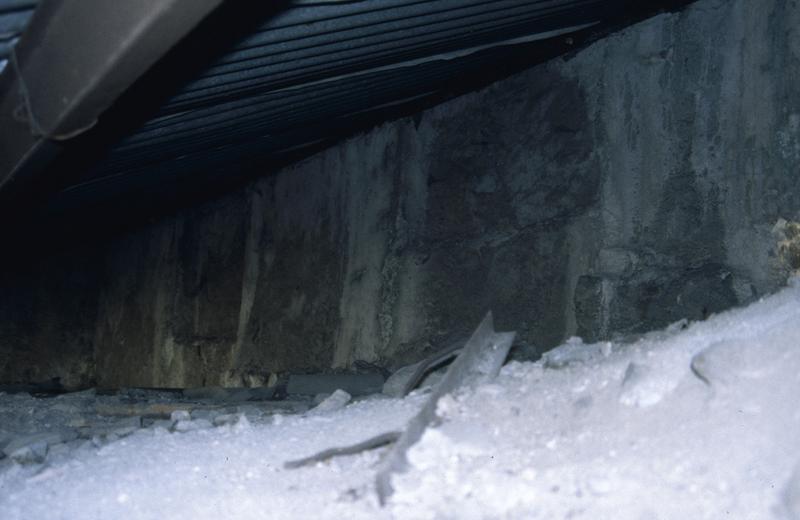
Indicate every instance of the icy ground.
{"type": "Point", "coordinates": [698, 421]}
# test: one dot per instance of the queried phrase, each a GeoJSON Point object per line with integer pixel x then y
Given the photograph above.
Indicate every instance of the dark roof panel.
{"type": "Point", "coordinates": [306, 75]}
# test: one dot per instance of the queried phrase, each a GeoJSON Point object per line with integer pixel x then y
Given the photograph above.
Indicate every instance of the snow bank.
{"type": "Point", "coordinates": [697, 421]}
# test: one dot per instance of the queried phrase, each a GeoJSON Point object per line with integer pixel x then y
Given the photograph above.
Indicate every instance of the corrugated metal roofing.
{"type": "Point", "coordinates": [302, 74]}
{"type": "Point", "coordinates": [312, 65]}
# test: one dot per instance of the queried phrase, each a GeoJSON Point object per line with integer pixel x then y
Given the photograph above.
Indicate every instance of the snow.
{"type": "Point", "coordinates": [696, 421]}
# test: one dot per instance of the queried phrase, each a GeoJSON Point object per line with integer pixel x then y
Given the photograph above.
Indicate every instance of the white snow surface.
{"type": "Point", "coordinates": [700, 420]}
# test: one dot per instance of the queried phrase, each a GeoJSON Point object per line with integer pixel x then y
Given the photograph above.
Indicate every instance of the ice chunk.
{"type": "Point", "coordinates": [335, 401]}
{"type": "Point", "coordinates": [180, 415]}
{"type": "Point", "coordinates": [724, 362]}
{"type": "Point", "coordinates": [645, 386]}
{"type": "Point", "coordinates": [575, 351]}
{"type": "Point", "coordinates": [33, 448]}
{"type": "Point", "coordinates": [32, 452]}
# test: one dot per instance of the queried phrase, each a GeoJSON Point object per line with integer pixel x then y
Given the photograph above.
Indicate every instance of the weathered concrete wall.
{"type": "Point", "coordinates": [699, 119]}
{"type": "Point", "coordinates": [629, 186]}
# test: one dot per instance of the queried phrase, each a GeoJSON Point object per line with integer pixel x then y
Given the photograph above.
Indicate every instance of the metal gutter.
{"type": "Point", "coordinates": [67, 69]}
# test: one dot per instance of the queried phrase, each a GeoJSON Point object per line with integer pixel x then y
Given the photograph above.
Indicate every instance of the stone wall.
{"type": "Point", "coordinates": [626, 187]}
